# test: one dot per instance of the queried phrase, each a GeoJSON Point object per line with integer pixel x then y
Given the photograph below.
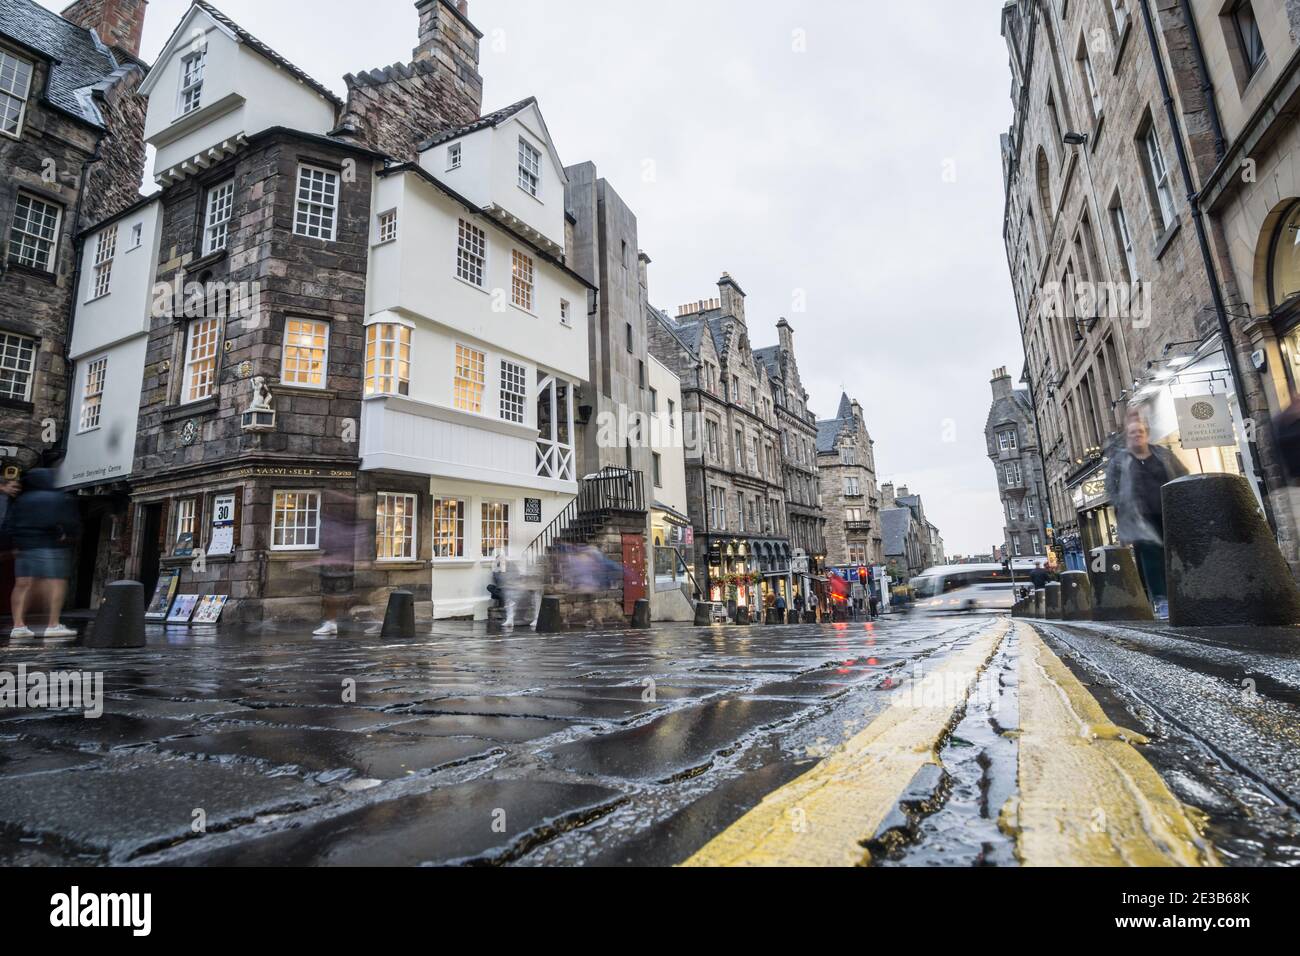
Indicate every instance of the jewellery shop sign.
{"type": "Point", "coordinates": [1204, 421]}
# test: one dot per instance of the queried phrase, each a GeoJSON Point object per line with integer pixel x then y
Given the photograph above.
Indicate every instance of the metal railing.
{"type": "Point", "coordinates": [608, 491]}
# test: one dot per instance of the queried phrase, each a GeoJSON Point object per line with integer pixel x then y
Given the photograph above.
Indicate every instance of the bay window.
{"type": "Point", "coordinates": [388, 359]}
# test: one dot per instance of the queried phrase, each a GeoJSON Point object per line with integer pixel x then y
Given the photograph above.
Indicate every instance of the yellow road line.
{"type": "Point", "coordinates": [1087, 797]}
{"type": "Point", "coordinates": [822, 818]}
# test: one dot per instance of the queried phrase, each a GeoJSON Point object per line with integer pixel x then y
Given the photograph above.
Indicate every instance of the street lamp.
{"type": "Point", "coordinates": [1075, 139]}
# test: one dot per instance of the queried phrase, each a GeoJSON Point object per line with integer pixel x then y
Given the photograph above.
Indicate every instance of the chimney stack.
{"type": "Point", "coordinates": [1002, 386]}
{"type": "Point", "coordinates": [118, 23]}
{"type": "Point", "coordinates": [448, 38]}
{"type": "Point", "coordinates": [732, 297]}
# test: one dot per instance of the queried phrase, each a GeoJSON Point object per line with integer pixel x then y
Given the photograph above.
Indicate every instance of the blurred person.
{"type": "Point", "coordinates": [43, 523]}
{"type": "Point", "coordinates": [9, 489]}
{"type": "Point", "coordinates": [1134, 479]}
{"type": "Point", "coordinates": [875, 605]}
{"type": "Point", "coordinates": [339, 540]}
{"type": "Point", "coordinates": [799, 602]}
{"type": "Point", "coordinates": [1039, 577]}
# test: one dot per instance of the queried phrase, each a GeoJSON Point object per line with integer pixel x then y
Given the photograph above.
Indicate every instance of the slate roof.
{"type": "Point", "coordinates": [829, 431]}
{"type": "Point", "coordinates": [80, 61]}
{"type": "Point", "coordinates": [770, 358]}
{"type": "Point", "coordinates": [483, 122]}
{"type": "Point", "coordinates": [894, 523]}
{"type": "Point", "coordinates": [253, 43]}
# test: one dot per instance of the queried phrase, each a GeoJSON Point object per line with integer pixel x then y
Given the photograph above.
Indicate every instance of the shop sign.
{"type": "Point", "coordinates": [1204, 421]}
{"type": "Point", "coordinates": [532, 510]}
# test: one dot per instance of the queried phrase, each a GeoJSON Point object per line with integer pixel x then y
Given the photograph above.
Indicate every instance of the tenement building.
{"type": "Point", "coordinates": [1150, 202]}
{"type": "Point", "coordinates": [1012, 441]}
{"type": "Point", "coordinates": [734, 480]}
{"type": "Point", "coordinates": [798, 428]}
{"type": "Point", "coordinates": [72, 150]}
{"type": "Point", "coordinates": [850, 498]}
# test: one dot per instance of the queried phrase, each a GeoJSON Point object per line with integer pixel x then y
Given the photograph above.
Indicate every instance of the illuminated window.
{"type": "Point", "coordinates": [448, 528]}
{"type": "Point", "coordinates": [395, 524]}
{"type": "Point", "coordinates": [201, 360]}
{"type": "Point", "coordinates": [471, 376]}
{"type": "Point", "coordinates": [496, 528]}
{"type": "Point", "coordinates": [522, 281]}
{"type": "Point", "coordinates": [388, 359]}
{"type": "Point", "coordinates": [306, 353]}
{"type": "Point", "coordinates": [295, 521]}
{"type": "Point", "coordinates": [92, 397]}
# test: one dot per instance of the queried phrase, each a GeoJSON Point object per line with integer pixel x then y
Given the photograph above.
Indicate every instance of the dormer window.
{"type": "Point", "coordinates": [453, 157]}
{"type": "Point", "coordinates": [192, 81]}
{"type": "Point", "coordinates": [530, 167]}
{"type": "Point", "coordinates": [15, 85]}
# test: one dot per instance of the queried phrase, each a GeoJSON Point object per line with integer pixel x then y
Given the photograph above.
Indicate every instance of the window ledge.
{"type": "Point", "coordinates": [402, 565]}
{"type": "Point", "coordinates": [177, 412]}
{"type": "Point", "coordinates": [17, 404]}
{"type": "Point", "coordinates": [1122, 44]}
{"type": "Point", "coordinates": [303, 391]}
{"type": "Point", "coordinates": [203, 260]}
{"type": "Point", "coordinates": [25, 270]}
{"type": "Point", "coordinates": [1163, 243]}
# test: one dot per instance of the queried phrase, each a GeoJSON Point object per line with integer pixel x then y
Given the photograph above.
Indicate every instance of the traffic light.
{"type": "Point", "coordinates": [862, 576]}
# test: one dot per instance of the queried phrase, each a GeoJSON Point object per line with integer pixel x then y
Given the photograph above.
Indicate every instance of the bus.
{"type": "Point", "coordinates": [968, 589]}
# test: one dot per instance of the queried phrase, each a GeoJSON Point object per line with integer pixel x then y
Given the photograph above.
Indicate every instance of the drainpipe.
{"type": "Point", "coordinates": [1198, 219]}
{"type": "Point", "coordinates": [1207, 85]}
{"type": "Point", "coordinates": [69, 368]}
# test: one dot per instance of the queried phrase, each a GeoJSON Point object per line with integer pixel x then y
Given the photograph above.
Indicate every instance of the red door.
{"type": "Point", "coordinates": [634, 586]}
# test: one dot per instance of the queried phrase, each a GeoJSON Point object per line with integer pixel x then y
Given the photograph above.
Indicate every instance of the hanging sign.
{"type": "Point", "coordinates": [1204, 421]}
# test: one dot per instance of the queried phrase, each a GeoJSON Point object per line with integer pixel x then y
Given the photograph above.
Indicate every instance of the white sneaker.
{"type": "Point", "coordinates": [328, 629]}
{"type": "Point", "coordinates": [22, 633]}
{"type": "Point", "coordinates": [58, 631]}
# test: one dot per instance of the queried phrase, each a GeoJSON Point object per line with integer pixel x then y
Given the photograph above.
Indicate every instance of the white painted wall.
{"type": "Point", "coordinates": [489, 172]}
{"type": "Point", "coordinates": [667, 439]}
{"type": "Point", "coordinates": [243, 93]}
{"type": "Point", "coordinates": [115, 326]}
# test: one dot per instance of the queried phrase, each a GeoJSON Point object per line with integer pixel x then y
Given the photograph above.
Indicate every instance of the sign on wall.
{"type": "Point", "coordinates": [223, 525]}
{"type": "Point", "coordinates": [1204, 421]}
{"type": "Point", "coordinates": [533, 510]}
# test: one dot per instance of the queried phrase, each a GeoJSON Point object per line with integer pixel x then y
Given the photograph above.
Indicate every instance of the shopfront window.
{"type": "Point", "coordinates": [1284, 264]}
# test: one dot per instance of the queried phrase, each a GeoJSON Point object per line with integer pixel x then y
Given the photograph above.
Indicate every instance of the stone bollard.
{"type": "Point", "coordinates": [1223, 564]}
{"type": "Point", "coordinates": [399, 619]}
{"type": "Point", "coordinates": [1117, 591]}
{"type": "Point", "coordinates": [742, 614]}
{"type": "Point", "coordinates": [1040, 604]}
{"type": "Point", "coordinates": [119, 623]}
{"type": "Point", "coordinates": [1076, 596]}
{"type": "Point", "coordinates": [641, 615]}
{"type": "Point", "coordinates": [703, 614]}
{"type": "Point", "coordinates": [810, 617]}
{"type": "Point", "coordinates": [1052, 601]}
{"type": "Point", "coordinates": [549, 620]}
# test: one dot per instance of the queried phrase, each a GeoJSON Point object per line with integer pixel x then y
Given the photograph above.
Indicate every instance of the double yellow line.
{"type": "Point", "coordinates": [1087, 797]}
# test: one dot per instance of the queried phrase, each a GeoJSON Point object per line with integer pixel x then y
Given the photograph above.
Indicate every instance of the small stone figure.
{"type": "Point", "coordinates": [261, 396]}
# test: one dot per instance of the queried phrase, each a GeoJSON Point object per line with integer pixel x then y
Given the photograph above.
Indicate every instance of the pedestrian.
{"type": "Point", "coordinates": [812, 601]}
{"type": "Point", "coordinates": [339, 542]}
{"type": "Point", "coordinates": [780, 608]}
{"type": "Point", "coordinates": [43, 523]}
{"type": "Point", "coordinates": [1039, 577]}
{"type": "Point", "coordinates": [9, 490]}
{"type": "Point", "coordinates": [875, 606]}
{"type": "Point", "coordinates": [1134, 479]}
{"type": "Point", "coordinates": [859, 594]}
{"type": "Point", "coordinates": [799, 603]}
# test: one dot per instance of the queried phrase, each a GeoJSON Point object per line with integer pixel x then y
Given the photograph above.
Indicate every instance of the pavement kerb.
{"type": "Point", "coordinates": [1087, 797]}
{"type": "Point", "coordinates": [823, 817]}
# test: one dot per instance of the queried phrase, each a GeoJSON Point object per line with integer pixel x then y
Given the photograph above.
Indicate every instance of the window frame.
{"type": "Point", "coordinates": [53, 250]}
{"type": "Point", "coordinates": [308, 493]}
{"type": "Point", "coordinates": [386, 227]}
{"type": "Point", "coordinates": [384, 531]}
{"type": "Point", "coordinates": [400, 374]}
{"type": "Point", "coordinates": [513, 372]}
{"type": "Point", "coordinates": [187, 84]}
{"type": "Point", "coordinates": [190, 363]}
{"type": "Point", "coordinates": [455, 156]}
{"type": "Point", "coordinates": [98, 364]}
{"type": "Point", "coordinates": [518, 283]}
{"type": "Point", "coordinates": [529, 180]}
{"type": "Point", "coordinates": [21, 118]}
{"type": "Point", "coordinates": [500, 521]}
{"type": "Point", "coordinates": [1160, 186]}
{"type": "Point", "coordinates": [473, 361]}
{"type": "Point", "coordinates": [328, 176]}
{"type": "Point", "coordinates": [101, 273]}
{"type": "Point", "coordinates": [213, 203]}
{"type": "Point", "coordinates": [458, 522]}
{"type": "Point", "coordinates": [5, 366]}
{"type": "Point", "coordinates": [1249, 67]}
{"type": "Point", "coordinates": [285, 347]}
{"type": "Point", "coordinates": [466, 256]}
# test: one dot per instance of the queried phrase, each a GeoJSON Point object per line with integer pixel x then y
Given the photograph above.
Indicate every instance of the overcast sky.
{"type": "Point", "coordinates": [800, 146]}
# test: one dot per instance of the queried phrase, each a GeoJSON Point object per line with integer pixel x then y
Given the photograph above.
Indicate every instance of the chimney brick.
{"type": "Point", "coordinates": [118, 23]}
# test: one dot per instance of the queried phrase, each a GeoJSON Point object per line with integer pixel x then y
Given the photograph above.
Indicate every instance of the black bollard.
{"type": "Point", "coordinates": [399, 620]}
{"type": "Point", "coordinates": [810, 617]}
{"type": "Point", "coordinates": [742, 614]}
{"type": "Point", "coordinates": [641, 615]}
{"type": "Point", "coordinates": [1040, 604]}
{"type": "Point", "coordinates": [1117, 591]}
{"type": "Point", "coordinates": [1223, 564]}
{"type": "Point", "coordinates": [1076, 596]}
{"type": "Point", "coordinates": [703, 614]}
{"type": "Point", "coordinates": [1052, 601]}
{"type": "Point", "coordinates": [549, 620]}
{"type": "Point", "coordinates": [119, 622]}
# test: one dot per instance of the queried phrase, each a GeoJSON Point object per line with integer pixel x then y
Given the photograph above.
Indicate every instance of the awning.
{"type": "Point", "coordinates": [672, 515]}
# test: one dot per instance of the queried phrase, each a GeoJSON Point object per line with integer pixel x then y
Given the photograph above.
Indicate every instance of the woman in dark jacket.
{"type": "Point", "coordinates": [43, 524]}
{"type": "Point", "coordinates": [1134, 479]}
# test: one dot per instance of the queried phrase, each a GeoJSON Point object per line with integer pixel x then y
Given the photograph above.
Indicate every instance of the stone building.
{"type": "Point", "coordinates": [249, 477]}
{"type": "Point", "coordinates": [798, 427]}
{"type": "Point", "coordinates": [1012, 441]}
{"type": "Point", "coordinates": [929, 541]}
{"type": "Point", "coordinates": [72, 148]}
{"type": "Point", "coordinates": [734, 481]}
{"type": "Point", "coordinates": [904, 544]}
{"type": "Point", "coordinates": [1131, 295]}
{"type": "Point", "coordinates": [850, 497]}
